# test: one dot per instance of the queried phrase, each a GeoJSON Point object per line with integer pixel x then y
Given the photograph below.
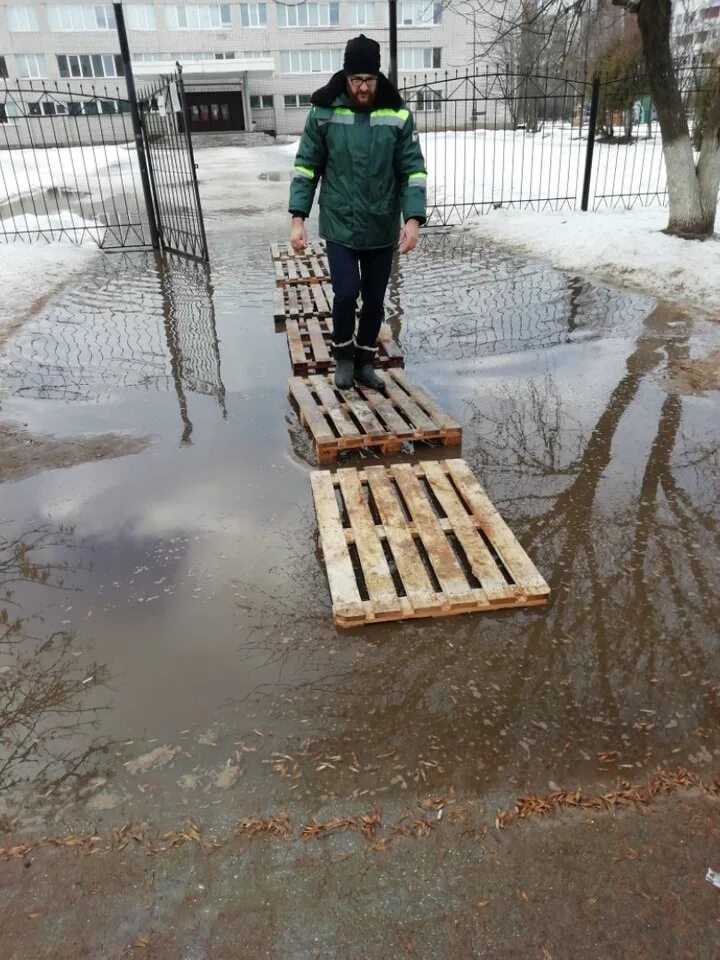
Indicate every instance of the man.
{"type": "Point", "coordinates": [359, 139]}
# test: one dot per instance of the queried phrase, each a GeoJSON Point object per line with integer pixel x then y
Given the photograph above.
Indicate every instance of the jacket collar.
{"type": "Point", "coordinates": [386, 97]}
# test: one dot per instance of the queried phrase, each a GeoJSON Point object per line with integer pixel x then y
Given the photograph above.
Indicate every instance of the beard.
{"type": "Point", "coordinates": [362, 100]}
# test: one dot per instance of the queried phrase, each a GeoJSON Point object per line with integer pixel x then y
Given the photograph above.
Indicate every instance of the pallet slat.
{"type": "Point", "coordinates": [517, 562]}
{"type": "Point", "coordinates": [444, 562]}
{"type": "Point", "coordinates": [415, 594]}
{"type": "Point", "coordinates": [478, 555]}
{"type": "Point", "coordinates": [378, 579]}
{"type": "Point", "coordinates": [331, 404]}
{"type": "Point", "coordinates": [409, 564]}
{"type": "Point", "coordinates": [363, 417]}
{"type": "Point", "coordinates": [346, 597]}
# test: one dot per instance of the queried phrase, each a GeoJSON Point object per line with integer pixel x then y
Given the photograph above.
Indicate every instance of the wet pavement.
{"type": "Point", "coordinates": [169, 648]}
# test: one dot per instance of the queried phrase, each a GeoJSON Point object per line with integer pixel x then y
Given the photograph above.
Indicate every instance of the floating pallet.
{"type": "Point", "coordinates": [293, 301]}
{"type": "Point", "coordinates": [284, 250]}
{"type": "Point", "coordinates": [361, 418]}
{"type": "Point", "coordinates": [310, 266]}
{"type": "Point", "coordinates": [454, 555]}
{"type": "Point", "coordinates": [309, 340]}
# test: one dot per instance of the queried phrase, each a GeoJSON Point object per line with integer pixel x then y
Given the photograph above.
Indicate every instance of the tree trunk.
{"type": "Point", "coordinates": [708, 167]}
{"type": "Point", "coordinates": [690, 213]}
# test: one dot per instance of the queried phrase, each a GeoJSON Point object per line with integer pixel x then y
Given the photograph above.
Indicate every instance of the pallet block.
{"type": "Point", "coordinates": [309, 340]}
{"type": "Point", "coordinates": [451, 550]}
{"type": "Point", "coordinates": [361, 418]}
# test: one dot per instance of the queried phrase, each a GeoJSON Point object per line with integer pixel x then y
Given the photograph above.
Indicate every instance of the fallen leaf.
{"type": "Point", "coordinates": [482, 903]}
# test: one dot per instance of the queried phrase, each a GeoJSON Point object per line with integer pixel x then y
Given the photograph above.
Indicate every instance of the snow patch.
{"type": "Point", "coordinates": [30, 270]}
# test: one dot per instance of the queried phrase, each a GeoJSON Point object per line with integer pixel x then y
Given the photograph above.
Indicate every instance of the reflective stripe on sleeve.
{"type": "Point", "coordinates": [304, 172]}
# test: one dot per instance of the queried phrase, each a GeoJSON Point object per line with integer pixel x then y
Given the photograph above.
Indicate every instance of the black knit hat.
{"type": "Point", "coordinates": [362, 55]}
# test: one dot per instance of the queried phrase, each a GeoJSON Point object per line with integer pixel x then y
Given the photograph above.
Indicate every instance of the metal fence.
{"type": "Point", "coordinates": [171, 164]}
{"type": "Point", "coordinates": [68, 165]}
{"type": "Point", "coordinates": [539, 142]}
{"type": "Point", "coordinates": [74, 165]}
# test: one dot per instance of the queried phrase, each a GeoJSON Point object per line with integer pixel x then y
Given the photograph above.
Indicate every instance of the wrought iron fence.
{"type": "Point", "coordinates": [171, 165]}
{"type": "Point", "coordinates": [68, 165]}
{"type": "Point", "coordinates": [539, 142]}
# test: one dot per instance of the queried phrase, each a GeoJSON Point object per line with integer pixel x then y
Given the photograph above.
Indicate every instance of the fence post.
{"type": "Point", "coordinates": [592, 127]}
{"type": "Point", "coordinates": [137, 127]}
{"type": "Point", "coordinates": [392, 21]}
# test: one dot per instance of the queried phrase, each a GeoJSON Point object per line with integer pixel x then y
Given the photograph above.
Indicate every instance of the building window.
{"type": "Point", "coordinates": [150, 57]}
{"type": "Point", "coordinates": [190, 16]}
{"type": "Point", "coordinates": [308, 15]}
{"type": "Point", "coordinates": [31, 66]}
{"type": "Point", "coordinates": [261, 101]}
{"type": "Point", "coordinates": [362, 14]}
{"type": "Point", "coordinates": [46, 108]}
{"type": "Point", "coordinates": [428, 100]}
{"type": "Point", "coordinates": [419, 58]}
{"type": "Point", "coordinates": [3, 69]}
{"type": "Point", "coordinates": [90, 65]}
{"type": "Point", "coordinates": [139, 16]}
{"type": "Point", "coordinates": [8, 111]}
{"type": "Point", "coordinates": [253, 14]}
{"type": "Point", "coordinates": [255, 54]}
{"type": "Point", "coordinates": [22, 19]}
{"type": "Point", "coordinates": [418, 13]}
{"type": "Point", "coordinates": [77, 17]}
{"type": "Point", "coordinates": [225, 55]}
{"type": "Point", "coordinates": [310, 61]}
{"type": "Point", "coordinates": [297, 99]}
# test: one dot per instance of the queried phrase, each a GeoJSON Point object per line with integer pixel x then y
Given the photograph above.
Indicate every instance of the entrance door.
{"type": "Point", "coordinates": [216, 110]}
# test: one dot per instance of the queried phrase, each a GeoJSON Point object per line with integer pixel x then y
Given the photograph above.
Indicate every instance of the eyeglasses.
{"type": "Point", "coordinates": [358, 82]}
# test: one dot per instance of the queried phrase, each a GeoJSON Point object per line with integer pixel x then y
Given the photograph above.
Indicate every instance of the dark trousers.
{"type": "Point", "coordinates": [355, 272]}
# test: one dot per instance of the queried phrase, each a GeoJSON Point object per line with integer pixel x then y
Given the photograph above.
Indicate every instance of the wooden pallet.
{"type": "Point", "coordinates": [309, 340]}
{"type": "Point", "coordinates": [293, 301]}
{"type": "Point", "coordinates": [283, 250]}
{"type": "Point", "coordinates": [310, 266]}
{"type": "Point", "coordinates": [455, 532]}
{"type": "Point", "coordinates": [361, 418]}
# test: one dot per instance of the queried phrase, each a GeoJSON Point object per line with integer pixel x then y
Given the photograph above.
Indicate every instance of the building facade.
{"type": "Point", "coordinates": [696, 29]}
{"type": "Point", "coordinates": [247, 66]}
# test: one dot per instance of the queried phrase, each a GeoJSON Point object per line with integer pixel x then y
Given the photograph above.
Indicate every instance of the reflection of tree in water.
{"type": "Point", "coordinates": [45, 719]}
{"type": "Point", "coordinates": [628, 644]}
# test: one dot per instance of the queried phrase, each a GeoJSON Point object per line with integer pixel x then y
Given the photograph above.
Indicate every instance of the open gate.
{"type": "Point", "coordinates": [171, 166]}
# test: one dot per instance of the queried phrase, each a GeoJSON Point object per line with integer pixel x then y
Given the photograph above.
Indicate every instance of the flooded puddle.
{"type": "Point", "coordinates": [168, 643]}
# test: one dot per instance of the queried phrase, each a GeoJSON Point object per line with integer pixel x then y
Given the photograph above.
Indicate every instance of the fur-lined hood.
{"type": "Point", "coordinates": [386, 97]}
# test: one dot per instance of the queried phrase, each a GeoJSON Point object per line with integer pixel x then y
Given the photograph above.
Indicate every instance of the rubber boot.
{"type": "Point", "coordinates": [368, 378]}
{"type": "Point", "coordinates": [344, 373]}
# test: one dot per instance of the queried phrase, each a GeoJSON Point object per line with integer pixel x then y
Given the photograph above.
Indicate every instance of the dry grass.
{"type": "Point", "coordinates": [277, 827]}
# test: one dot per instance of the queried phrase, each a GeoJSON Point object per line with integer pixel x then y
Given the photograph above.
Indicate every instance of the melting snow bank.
{"type": "Point", "coordinates": [624, 247]}
{"type": "Point", "coordinates": [30, 271]}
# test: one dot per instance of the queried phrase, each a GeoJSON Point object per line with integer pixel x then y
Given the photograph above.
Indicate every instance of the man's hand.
{"type": "Point", "coordinates": [298, 235]}
{"type": "Point", "coordinates": [409, 236]}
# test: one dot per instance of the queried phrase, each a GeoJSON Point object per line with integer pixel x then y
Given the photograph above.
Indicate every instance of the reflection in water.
{"type": "Point", "coordinates": [48, 701]}
{"type": "Point", "coordinates": [457, 298]}
{"type": "Point", "coordinates": [620, 670]}
{"type": "Point", "coordinates": [140, 323]}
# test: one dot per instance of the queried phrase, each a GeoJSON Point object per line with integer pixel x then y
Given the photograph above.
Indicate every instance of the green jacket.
{"type": "Point", "coordinates": [370, 164]}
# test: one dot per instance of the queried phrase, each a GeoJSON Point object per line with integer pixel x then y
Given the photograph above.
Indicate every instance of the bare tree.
{"type": "Point", "coordinates": [692, 185]}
